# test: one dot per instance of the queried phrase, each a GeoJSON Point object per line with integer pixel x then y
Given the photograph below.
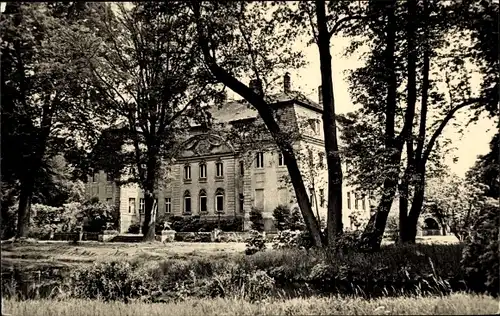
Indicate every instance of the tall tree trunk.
{"type": "Point", "coordinates": [148, 227]}
{"type": "Point", "coordinates": [24, 209]}
{"type": "Point", "coordinates": [415, 211]}
{"type": "Point", "coordinates": [266, 113]}
{"type": "Point", "coordinates": [403, 205]}
{"type": "Point", "coordinates": [334, 219]}
{"type": "Point", "coordinates": [372, 236]}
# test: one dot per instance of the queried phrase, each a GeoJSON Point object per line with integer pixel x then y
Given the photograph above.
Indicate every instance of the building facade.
{"type": "Point", "coordinates": [215, 176]}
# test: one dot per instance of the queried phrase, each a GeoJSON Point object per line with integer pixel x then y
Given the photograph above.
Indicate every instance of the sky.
{"type": "Point", "coordinates": [474, 141]}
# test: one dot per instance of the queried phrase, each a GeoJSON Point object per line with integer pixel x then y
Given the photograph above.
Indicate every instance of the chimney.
{"type": "Point", "coordinates": [320, 95]}
{"type": "Point", "coordinates": [256, 86]}
{"type": "Point", "coordinates": [287, 83]}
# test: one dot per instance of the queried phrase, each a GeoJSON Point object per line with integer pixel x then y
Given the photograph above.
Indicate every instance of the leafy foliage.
{"type": "Point", "coordinates": [111, 281]}
{"type": "Point", "coordinates": [455, 202]}
{"type": "Point", "coordinates": [255, 243]}
{"type": "Point", "coordinates": [198, 224]}
{"type": "Point", "coordinates": [97, 215]}
{"type": "Point", "coordinates": [257, 220]}
{"type": "Point", "coordinates": [481, 251]}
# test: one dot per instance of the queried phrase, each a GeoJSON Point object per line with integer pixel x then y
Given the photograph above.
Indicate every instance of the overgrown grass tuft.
{"type": "Point", "coordinates": [455, 304]}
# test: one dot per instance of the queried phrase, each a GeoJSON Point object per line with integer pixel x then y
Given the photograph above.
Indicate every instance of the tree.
{"type": "Point", "coordinates": [44, 92]}
{"type": "Point", "coordinates": [486, 169]}
{"type": "Point", "coordinates": [146, 70]}
{"type": "Point", "coordinates": [413, 53]}
{"type": "Point", "coordinates": [455, 202]}
{"type": "Point", "coordinates": [236, 38]}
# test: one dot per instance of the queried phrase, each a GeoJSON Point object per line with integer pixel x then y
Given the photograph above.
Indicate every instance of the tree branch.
{"type": "Point", "coordinates": [445, 121]}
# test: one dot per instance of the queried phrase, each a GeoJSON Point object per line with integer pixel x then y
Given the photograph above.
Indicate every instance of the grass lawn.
{"type": "Point", "coordinates": [44, 254]}
{"type": "Point", "coordinates": [31, 256]}
{"type": "Point", "coordinates": [456, 304]}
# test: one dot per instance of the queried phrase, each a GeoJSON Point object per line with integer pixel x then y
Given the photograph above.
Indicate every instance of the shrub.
{"type": "Point", "coordinates": [242, 284]}
{"type": "Point", "coordinates": [256, 242]}
{"type": "Point", "coordinates": [257, 220]}
{"type": "Point", "coordinates": [392, 228]}
{"type": "Point", "coordinates": [111, 281]}
{"type": "Point", "coordinates": [292, 239]}
{"type": "Point", "coordinates": [134, 228]}
{"type": "Point", "coordinates": [97, 215]}
{"type": "Point", "coordinates": [296, 220]}
{"type": "Point", "coordinates": [481, 252]}
{"type": "Point", "coordinates": [196, 224]}
{"type": "Point", "coordinates": [281, 216]}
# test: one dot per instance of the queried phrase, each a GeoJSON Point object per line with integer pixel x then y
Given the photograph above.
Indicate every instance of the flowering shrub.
{"type": "Point", "coordinates": [256, 242]}
{"type": "Point", "coordinates": [292, 239]}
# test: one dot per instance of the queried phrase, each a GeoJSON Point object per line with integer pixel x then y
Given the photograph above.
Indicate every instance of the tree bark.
{"type": "Point", "coordinates": [372, 236]}
{"type": "Point", "coordinates": [24, 209]}
{"type": "Point", "coordinates": [334, 218]}
{"type": "Point", "coordinates": [148, 227]}
{"type": "Point", "coordinates": [265, 112]}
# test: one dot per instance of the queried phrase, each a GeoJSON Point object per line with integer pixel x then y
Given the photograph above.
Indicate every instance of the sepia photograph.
{"type": "Point", "coordinates": [326, 157]}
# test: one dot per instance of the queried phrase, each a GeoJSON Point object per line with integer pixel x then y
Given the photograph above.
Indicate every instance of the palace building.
{"type": "Point", "coordinates": [213, 175]}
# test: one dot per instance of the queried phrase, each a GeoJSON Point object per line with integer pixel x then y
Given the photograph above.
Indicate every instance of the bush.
{"type": "Point", "coordinates": [281, 216]}
{"type": "Point", "coordinates": [392, 229]}
{"type": "Point", "coordinates": [97, 215]}
{"type": "Point", "coordinates": [134, 228]}
{"type": "Point", "coordinates": [111, 281]}
{"type": "Point", "coordinates": [256, 242]}
{"type": "Point", "coordinates": [296, 220]}
{"type": "Point", "coordinates": [481, 252]}
{"type": "Point", "coordinates": [257, 220]}
{"type": "Point", "coordinates": [292, 239]}
{"type": "Point", "coordinates": [196, 224]}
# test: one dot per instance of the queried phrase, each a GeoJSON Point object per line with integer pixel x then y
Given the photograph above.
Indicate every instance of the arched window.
{"type": "Point", "coordinates": [187, 202]}
{"type": "Point", "coordinates": [219, 200]}
{"type": "Point", "coordinates": [203, 201]}
{"type": "Point", "coordinates": [203, 170]}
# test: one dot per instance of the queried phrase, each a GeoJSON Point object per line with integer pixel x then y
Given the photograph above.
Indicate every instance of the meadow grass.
{"type": "Point", "coordinates": [455, 304]}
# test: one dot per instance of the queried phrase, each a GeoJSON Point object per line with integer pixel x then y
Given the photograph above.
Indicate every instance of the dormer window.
{"type": "Point", "coordinates": [314, 124]}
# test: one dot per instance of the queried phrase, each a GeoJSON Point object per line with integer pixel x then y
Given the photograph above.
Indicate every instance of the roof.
{"type": "Point", "coordinates": [240, 109]}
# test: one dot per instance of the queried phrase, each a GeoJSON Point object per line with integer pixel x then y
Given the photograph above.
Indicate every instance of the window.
{"type": "Point", "coordinates": [109, 177]}
{"type": "Point", "coordinates": [355, 200]}
{"type": "Point", "coordinates": [220, 169]}
{"type": "Point", "coordinates": [131, 206]}
{"type": "Point", "coordinates": [260, 160]}
{"type": "Point", "coordinates": [242, 202]}
{"type": "Point", "coordinates": [259, 199]}
{"type": "Point", "coordinates": [187, 202]}
{"type": "Point", "coordinates": [203, 201]}
{"type": "Point", "coordinates": [321, 197]}
{"type": "Point", "coordinates": [168, 205]}
{"type": "Point", "coordinates": [314, 123]}
{"type": "Point", "coordinates": [311, 196]}
{"type": "Point", "coordinates": [141, 206]}
{"type": "Point", "coordinates": [187, 172]}
{"type": "Point", "coordinates": [349, 200]}
{"type": "Point", "coordinates": [242, 168]}
{"type": "Point", "coordinates": [219, 200]}
{"type": "Point", "coordinates": [363, 203]}
{"type": "Point", "coordinates": [95, 177]}
{"type": "Point", "coordinates": [203, 171]}
{"type": "Point", "coordinates": [281, 159]}
{"type": "Point", "coordinates": [310, 156]}
{"type": "Point", "coordinates": [321, 163]}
